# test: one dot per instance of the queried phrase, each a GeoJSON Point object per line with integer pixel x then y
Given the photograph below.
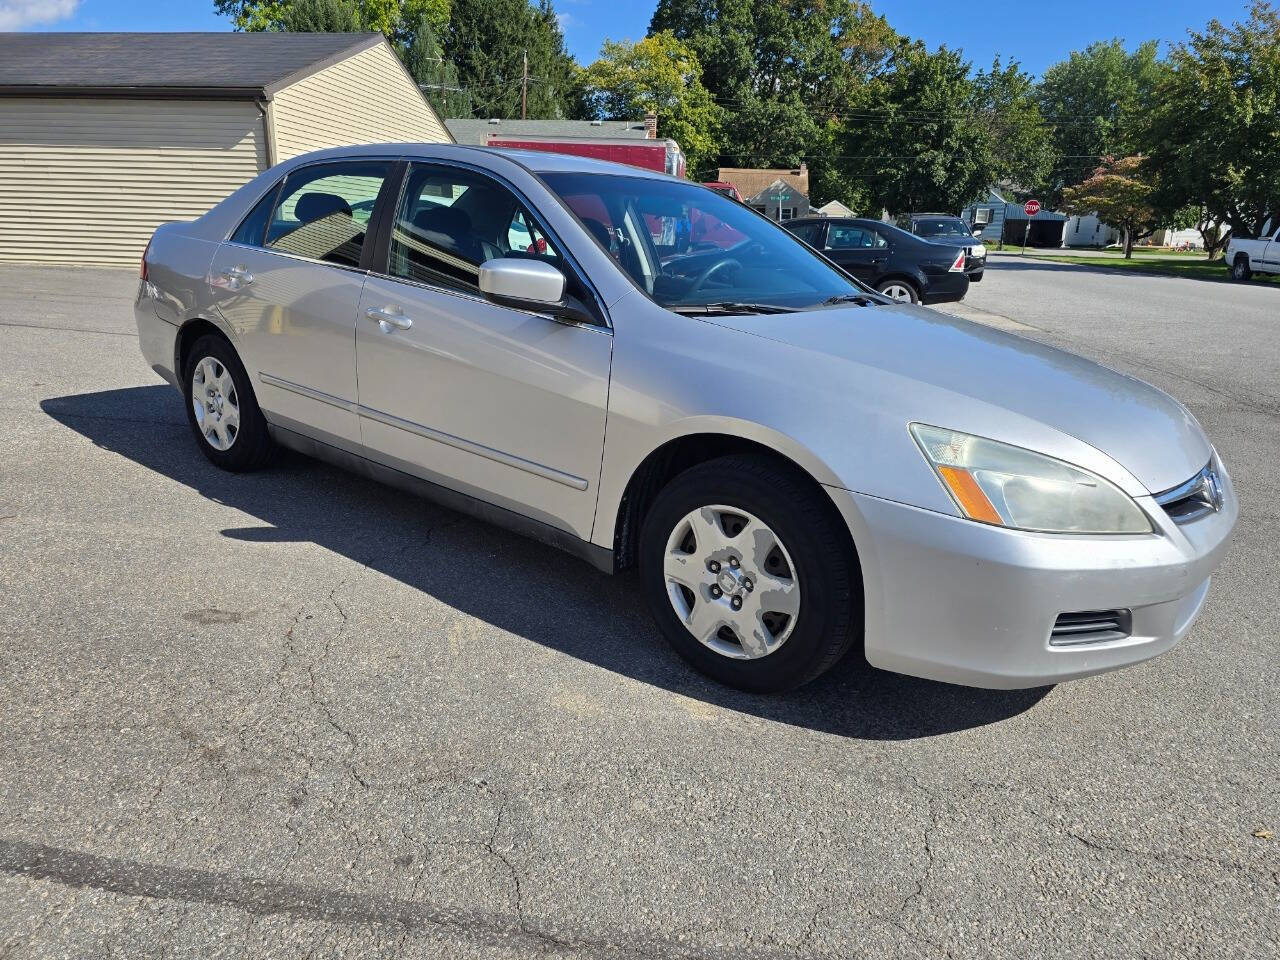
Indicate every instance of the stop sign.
{"type": "Point", "coordinates": [1032, 207]}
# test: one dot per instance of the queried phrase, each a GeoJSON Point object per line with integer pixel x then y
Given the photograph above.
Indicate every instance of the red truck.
{"type": "Point", "coordinates": [665, 156]}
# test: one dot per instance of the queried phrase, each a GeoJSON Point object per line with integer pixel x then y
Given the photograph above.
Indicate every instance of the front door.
{"type": "Point", "coordinates": [499, 404]}
{"type": "Point", "coordinates": [859, 249]}
{"type": "Point", "coordinates": [288, 283]}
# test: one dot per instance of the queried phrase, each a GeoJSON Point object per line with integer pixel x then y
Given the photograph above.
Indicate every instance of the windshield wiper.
{"type": "Point", "coordinates": [728, 306]}
{"type": "Point", "coordinates": [861, 299]}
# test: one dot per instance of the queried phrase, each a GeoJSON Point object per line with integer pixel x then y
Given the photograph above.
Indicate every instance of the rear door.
{"type": "Point", "coordinates": [288, 283]}
{"type": "Point", "coordinates": [857, 248]}
{"type": "Point", "coordinates": [497, 403]}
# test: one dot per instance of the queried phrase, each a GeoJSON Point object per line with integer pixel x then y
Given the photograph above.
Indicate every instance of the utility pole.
{"type": "Point", "coordinates": [524, 85]}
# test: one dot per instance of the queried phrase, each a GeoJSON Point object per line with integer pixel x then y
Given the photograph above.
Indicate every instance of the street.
{"type": "Point", "coordinates": [296, 713]}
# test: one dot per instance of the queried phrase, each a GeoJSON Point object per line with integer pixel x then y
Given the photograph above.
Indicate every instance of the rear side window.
{"type": "Point", "coordinates": [853, 238]}
{"type": "Point", "coordinates": [322, 212]}
{"type": "Point", "coordinates": [253, 230]}
{"type": "Point", "coordinates": [808, 232]}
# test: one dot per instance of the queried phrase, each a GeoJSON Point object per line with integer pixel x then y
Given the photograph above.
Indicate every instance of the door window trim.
{"type": "Point", "coordinates": [366, 250]}
{"type": "Point", "coordinates": [380, 267]}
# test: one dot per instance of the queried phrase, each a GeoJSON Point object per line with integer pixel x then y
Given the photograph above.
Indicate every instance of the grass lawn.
{"type": "Point", "coordinates": [1172, 265]}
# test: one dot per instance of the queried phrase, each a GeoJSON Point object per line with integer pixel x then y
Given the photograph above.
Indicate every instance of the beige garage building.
{"type": "Point", "coordinates": [103, 136]}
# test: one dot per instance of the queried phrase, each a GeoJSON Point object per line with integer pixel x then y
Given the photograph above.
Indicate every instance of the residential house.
{"type": "Point", "coordinates": [104, 136]}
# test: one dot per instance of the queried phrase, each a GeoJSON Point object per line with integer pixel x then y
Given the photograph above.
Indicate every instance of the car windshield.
{"type": "Point", "coordinates": [942, 227]}
{"type": "Point", "coordinates": [690, 247]}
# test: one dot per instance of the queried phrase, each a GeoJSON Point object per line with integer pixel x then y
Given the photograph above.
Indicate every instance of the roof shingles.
{"type": "Point", "coordinates": [213, 63]}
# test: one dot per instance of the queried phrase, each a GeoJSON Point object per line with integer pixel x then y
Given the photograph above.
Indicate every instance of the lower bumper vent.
{"type": "Point", "coordinates": [1091, 626]}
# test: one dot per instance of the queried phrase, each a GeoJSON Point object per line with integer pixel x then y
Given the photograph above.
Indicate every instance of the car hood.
{"type": "Point", "coordinates": [940, 369]}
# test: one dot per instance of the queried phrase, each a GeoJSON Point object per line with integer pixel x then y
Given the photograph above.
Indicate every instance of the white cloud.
{"type": "Point", "coordinates": [563, 19]}
{"type": "Point", "coordinates": [16, 14]}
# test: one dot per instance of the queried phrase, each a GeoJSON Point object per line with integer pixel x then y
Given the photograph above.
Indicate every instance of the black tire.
{"type": "Point", "coordinates": [807, 523]}
{"type": "Point", "coordinates": [251, 446]}
{"type": "Point", "coordinates": [884, 285]}
{"type": "Point", "coordinates": [1240, 268]}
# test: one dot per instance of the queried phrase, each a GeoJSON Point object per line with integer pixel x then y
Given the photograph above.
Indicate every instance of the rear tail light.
{"type": "Point", "coordinates": [142, 271]}
{"type": "Point", "coordinates": [959, 264]}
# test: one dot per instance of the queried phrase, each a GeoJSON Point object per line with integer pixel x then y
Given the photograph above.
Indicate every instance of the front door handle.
{"type": "Point", "coordinates": [388, 318]}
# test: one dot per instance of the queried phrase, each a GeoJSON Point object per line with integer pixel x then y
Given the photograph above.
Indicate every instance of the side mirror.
{"type": "Point", "coordinates": [513, 282]}
{"type": "Point", "coordinates": [978, 228]}
{"type": "Point", "coordinates": [530, 285]}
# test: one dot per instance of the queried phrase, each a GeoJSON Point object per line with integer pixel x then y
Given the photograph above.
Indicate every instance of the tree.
{"type": "Point", "coordinates": [1018, 142]}
{"type": "Point", "coordinates": [396, 19]}
{"type": "Point", "coordinates": [784, 72]}
{"type": "Point", "coordinates": [321, 16]}
{"type": "Point", "coordinates": [1093, 102]}
{"type": "Point", "coordinates": [918, 138]}
{"type": "Point", "coordinates": [1213, 135]}
{"type": "Point", "coordinates": [1120, 196]}
{"type": "Point", "coordinates": [659, 75]}
{"type": "Point", "coordinates": [487, 41]}
{"type": "Point", "coordinates": [436, 76]}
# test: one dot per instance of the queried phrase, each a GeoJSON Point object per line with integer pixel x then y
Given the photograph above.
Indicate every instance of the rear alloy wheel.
{"type": "Point", "coordinates": [221, 407]}
{"type": "Point", "coordinates": [747, 570]}
{"type": "Point", "coordinates": [899, 291]}
{"type": "Point", "coordinates": [1240, 268]}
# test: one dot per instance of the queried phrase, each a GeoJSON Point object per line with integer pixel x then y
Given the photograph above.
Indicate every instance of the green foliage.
{"type": "Point", "coordinates": [784, 72]}
{"type": "Point", "coordinates": [486, 41]}
{"type": "Point", "coordinates": [396, 19]}
{"type": "Point", "coordinates": [1019, 145]}
{"type": "Point", "coordinates": [321, 16]}
{"type": "Point", "coordinates": [1120, 195]}
{"type": "Point", "coordinates": [918, 138]}
{"type": "Point", "coordinates": [659, 75]}
{"type": "Point", "coordinates": [438, 78]}
{"type": "Point", "coordinates": [1213, 136]}
{"type": "Point", "coordinates": [1094, 102]}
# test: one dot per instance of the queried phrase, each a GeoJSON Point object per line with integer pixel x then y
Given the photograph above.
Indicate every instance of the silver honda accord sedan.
{"type": "Point", "coordinates": [648, 374]}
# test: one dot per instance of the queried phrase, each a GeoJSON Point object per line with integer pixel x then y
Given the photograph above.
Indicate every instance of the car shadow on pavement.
{"type": "Point", "coordinates": [547, 596]}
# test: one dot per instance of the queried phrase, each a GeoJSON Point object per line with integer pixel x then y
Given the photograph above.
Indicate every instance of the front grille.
{"type": "Point", "coordinates": [1090, 626]}
{"type": "Point", "coordinates": [1200, 495]}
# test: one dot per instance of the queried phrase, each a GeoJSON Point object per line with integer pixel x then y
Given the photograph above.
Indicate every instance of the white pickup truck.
{"type": "Point", "coordinates": [1247, 256]}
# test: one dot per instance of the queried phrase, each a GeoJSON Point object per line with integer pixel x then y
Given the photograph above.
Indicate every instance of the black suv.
{"type": "Point", "coordinates": [944, 228]}
{"type": "Point", "coordinates": [901, 266]}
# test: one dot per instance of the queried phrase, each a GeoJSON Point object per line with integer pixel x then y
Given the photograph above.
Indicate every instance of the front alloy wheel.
{"type": "Point", "coordinates": [731, 582]}
{"type": "Point", "coordinates": [747, 568]}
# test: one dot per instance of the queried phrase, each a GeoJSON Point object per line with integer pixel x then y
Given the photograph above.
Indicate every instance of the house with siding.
{"type": "Point", "coordinates": [104, 136]}
{"type": "Point", "coordinates": [778, 194]}
{"type": "Point", "coordinates": [1005, 221]}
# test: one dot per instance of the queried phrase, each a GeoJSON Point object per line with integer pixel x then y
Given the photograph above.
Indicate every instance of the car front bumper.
{"type": "Point", "coordinates": [964, 602]}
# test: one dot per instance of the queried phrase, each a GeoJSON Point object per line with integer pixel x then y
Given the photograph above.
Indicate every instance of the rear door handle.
{"type": "Point", "coordinates": [239, 276]}
{"type": "Point", "coordinates": [388, 317]}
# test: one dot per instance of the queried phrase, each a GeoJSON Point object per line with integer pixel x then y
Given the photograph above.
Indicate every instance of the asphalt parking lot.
{"type": "Point", "coordinates": [296, 713]}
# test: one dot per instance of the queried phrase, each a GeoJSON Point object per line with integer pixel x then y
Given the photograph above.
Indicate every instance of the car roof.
{"type": "Point", "coordinates": [539, 161]}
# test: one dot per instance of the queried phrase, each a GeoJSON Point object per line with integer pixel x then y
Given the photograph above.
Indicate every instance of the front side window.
{"type": "Point", "coordinates": [322, 212]}
{"type": "Point", "coordinates": [449, 221]}
{"type": "Point", "coordinates": [688, 246]}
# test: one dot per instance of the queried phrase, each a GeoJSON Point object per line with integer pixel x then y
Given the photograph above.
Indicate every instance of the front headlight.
{"type": "Point", "coordinates": [979, 251]}
{"type": "Point", "coordinates": [1011, 487]}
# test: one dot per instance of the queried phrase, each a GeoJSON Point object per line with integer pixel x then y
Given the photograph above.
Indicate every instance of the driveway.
{"type": "Point", "coordinates": [296, 712]}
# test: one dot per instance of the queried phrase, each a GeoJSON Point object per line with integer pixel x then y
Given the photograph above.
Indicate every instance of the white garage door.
{"type": "Point", "coordinates": [87, 181]}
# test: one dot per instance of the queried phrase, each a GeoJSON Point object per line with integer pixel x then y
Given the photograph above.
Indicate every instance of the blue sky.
{"type": "Point", "coordinates": [1036, 32]}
